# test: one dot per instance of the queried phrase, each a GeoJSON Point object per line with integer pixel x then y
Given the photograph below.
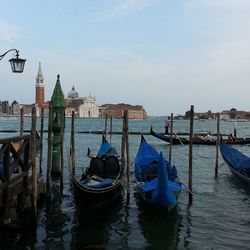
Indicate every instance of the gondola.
{"type": "Point", "coordinates": [101, 182]}
{"type": "Point", "coordinates": [197, 140]}
{"type": "Point", "coordinates": [158, 183]}
{"type": "Point", "coordinates": [238, 163]}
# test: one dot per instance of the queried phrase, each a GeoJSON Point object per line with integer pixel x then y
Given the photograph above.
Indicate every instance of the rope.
{"type": "Point", "coordinates": [187, 188]}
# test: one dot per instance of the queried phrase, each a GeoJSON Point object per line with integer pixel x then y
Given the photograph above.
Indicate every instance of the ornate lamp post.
{"type": "Point", "coordinates": [17, 64]}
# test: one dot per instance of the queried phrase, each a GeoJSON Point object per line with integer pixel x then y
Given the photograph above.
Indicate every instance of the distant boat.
{"type": "Point", "coordinates": [198, 140]}
{"type": "Point", "coordinates": [158, 181]}
{"type": "Point", "coordinates": [101, 181]}
{"type": "Point", "coordinates": [238, 163]}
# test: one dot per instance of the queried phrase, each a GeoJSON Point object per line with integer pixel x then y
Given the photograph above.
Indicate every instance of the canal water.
{"type": "Point", "coordinates": [218, 218]}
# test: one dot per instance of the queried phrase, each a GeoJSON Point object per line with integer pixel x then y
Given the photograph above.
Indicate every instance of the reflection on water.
{"type": "Point", "coordinates": [217, 219]}
{"type": "Point", "coordinates": [92, 223]}
{"type": "Point", "coordinates": [158, 226]}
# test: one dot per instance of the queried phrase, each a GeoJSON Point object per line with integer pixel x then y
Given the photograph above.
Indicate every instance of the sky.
{"type": "Point", "coordinates": [165, 55]}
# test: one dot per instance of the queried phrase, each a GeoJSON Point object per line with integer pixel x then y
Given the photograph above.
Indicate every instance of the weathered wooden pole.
{"type": "Point", "coordinates": [123, 151]}
{"type": "Point", "coordinates": [190, 169]}
{"type": "Point", "coordinates": [127, 152]}
{"type": "Point", "coordinates": [105, 125]}
{"type": "Point", "coordinates": [171, 138]}
{"type": "Point", "coordinates": [49, 156]}
{"type": "Point", "coordinates": [41, 142]}
{"type": "Point", "coordinates": [33, 162]}
{"type": "Point", "coordinates": [7, 174]}
{"type": "Point", "coordinates": [58, 108]}
{"type": "Point", "coordinates": [217, 145]}
{"type": "Point", "coordinates": [110, 129]}
{"type": "Point", "coordinates": [21, 121]}
{"type": "Point", "coordinates": [72, 142]}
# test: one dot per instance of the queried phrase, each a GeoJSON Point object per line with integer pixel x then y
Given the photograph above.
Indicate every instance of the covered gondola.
{"type": "Point", "coordinates": [101, 181]}
{"type": "Point", "coordinates": [238, 163]}
{"type": "Point", "coordinates": [197, 140]}
{"type": "Point", "coordinates": [158, 183]}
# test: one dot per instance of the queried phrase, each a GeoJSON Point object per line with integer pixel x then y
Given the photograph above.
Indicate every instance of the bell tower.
{"type": "Point", "coordinates": [39, 87]}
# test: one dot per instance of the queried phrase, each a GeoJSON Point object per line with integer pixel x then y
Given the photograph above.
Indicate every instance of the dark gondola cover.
{"type": "Point", "coordinates": [101, 182]}
{"type": "Point", "coordinates": [158, 180]}
{"type": "Point", "coordinates": [238, 163]}
{"type": "Point", "coordinates": [184, 140]}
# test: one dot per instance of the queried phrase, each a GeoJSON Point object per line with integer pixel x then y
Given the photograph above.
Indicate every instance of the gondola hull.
{"type": "Point", "coordinates": [185, 141]}
{"type": "Point", "coordinates": [101, 181]}
{"type": "Point", "coordinates": [158, 182]}
{"type": "Point", "coordinates": [238, 163]}
{"type": "Point", "coordinates": [85, 194]}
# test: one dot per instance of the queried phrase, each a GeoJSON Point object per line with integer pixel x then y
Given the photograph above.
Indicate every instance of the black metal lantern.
{"type": "Point", "coordinates": [17, 64]}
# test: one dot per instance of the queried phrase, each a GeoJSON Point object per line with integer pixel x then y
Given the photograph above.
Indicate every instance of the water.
{"type": "Point", "coordinates": [218, 218]}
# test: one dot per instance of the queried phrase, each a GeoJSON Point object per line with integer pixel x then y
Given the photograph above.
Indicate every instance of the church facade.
{"type": "Point", "coordinates": [84, 107]}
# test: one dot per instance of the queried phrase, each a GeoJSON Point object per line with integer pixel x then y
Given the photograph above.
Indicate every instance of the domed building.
{"type": "Point", "coordinates": [83, 106]}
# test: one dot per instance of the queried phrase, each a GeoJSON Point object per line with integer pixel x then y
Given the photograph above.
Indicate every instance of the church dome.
{"type": "Point", "coordinates": [73, 93]}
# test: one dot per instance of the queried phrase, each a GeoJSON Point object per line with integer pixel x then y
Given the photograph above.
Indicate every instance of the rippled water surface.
{"type": "Point", "coordinates": [218, 218]}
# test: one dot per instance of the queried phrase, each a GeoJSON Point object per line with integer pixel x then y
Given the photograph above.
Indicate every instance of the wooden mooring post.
{"type": "Point", "coordinates": [125, 158]}
{"type": "Point", "coordinates": [21, 122]}
{"type": "Point", "coordinates": [105, 125]}
{"type": "Point", "coordinates": [72, 143]}
{"type": "Point", "coordinates": [49, 154]}
{"type": "Point", "coordinates": [217, 144]}
{"type": "Point", "coordinates": [33, 160]}
{"type": "Point", "coordinates": [41, 142]}
{"type": "Point", "coordinates": [190, 169]}
{"type": "Point", "coordinates": [110, 129]}
{"type": "Point", "coordinates": [171, 138]}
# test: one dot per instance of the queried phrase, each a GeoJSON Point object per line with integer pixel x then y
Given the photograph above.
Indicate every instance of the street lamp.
{"type": "Point", "coordinates": [17, 64]}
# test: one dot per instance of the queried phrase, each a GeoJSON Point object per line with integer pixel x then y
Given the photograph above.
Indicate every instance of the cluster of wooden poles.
{"type": "Point", "coordinates": [190, 168]}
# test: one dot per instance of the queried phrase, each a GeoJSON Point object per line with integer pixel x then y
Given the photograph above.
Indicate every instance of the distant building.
{"type": "Point", "coordinates": [116, 111]}
{"type": "Point", "coordinates": [84, 107]}
{"type": "Point", "coordinates": [39, 87]}
{"type": "Point", "coordinates": [89, 109]}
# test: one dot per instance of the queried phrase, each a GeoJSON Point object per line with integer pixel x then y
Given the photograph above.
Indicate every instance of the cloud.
{"type": "Point", "coordinates": [232, 4]}
{"type": "Point", "coordinates": [8, 33]}
{"type": "Point", "coordinates": [122, 9]}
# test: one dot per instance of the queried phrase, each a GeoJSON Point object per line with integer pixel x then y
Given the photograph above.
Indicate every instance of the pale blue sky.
{"type": "Point", "coordinates": [163, 54]}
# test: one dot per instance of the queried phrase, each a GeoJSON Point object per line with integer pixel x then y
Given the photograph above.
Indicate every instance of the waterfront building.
{"type": "Point", "coordinates": [116, 111]}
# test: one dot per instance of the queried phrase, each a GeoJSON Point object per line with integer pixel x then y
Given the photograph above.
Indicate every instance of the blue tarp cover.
{"type": "Point", "coordinates": [105, 183]}
{"type": "Point", "coordinates": [234, 157]}
{"type": "Point", "coordinates": [104, 149]}
{"type": "Point", "coordinates": [151, 185]}
{"type": "Point", "coordinates": [146, 161]}
{"type": "Point", "coordinates": [162, 194]}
